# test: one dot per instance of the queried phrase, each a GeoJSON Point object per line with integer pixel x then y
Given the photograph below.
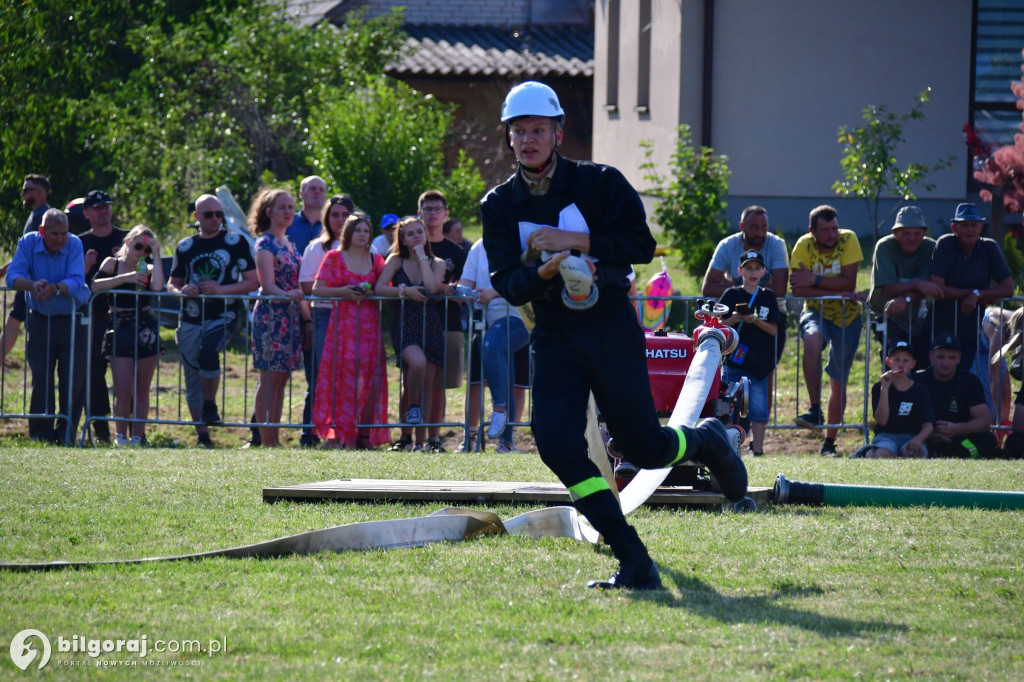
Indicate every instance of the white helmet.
{"type": "Point", "coordinates": [531, 99]}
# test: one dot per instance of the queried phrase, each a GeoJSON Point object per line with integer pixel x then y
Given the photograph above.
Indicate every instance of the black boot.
{"type": "Point", "coordinates": [708, 444]}
{"type": "Point", "coordinates": [636, 569]}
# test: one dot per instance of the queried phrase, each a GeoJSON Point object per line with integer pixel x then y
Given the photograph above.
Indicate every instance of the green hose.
{"type": "Point", "coordinates": [831, 494]}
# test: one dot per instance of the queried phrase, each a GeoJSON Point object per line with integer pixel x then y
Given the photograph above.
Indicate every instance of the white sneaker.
{"type": "Point", "coordinates": [497, 427]}
{"type": "Point", "coordinates": [121, 441]}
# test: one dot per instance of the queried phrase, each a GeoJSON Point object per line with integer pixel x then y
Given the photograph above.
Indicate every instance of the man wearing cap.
{"type": "Point", "coordinates": [382, 244]}
{"type": "Point", "coordinates": [958, 399]}
{"type": "Point", "coordinates": [306, 226]}
{"type": "Point", "coordinates": [553, 211]}
{"type": "Point", "coordinates": [100, 241]}
{"type": "Point", "coordinates": [753, 236]}
{"type": "Point", "coordinates": [965, 265]}
{"type": "Point", "coordinates": [901, 282]}
{"type": "Point", "coordinates": [49, 266]}
{"type": "Point", "coordinates": [825, 263]}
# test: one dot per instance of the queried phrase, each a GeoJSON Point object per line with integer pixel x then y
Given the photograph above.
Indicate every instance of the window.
{"type": "Point", "coordinates": [643, 76]}
{"type": "Point", "coordinates": [999, 37]}
{"type": "Point", "coordinates": [611, 103]}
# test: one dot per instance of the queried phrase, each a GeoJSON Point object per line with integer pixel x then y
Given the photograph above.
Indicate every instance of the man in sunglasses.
{"type": "Point", "coordinates": [102, 239]}
{"type": "Point", "coordinates": [214, 262]}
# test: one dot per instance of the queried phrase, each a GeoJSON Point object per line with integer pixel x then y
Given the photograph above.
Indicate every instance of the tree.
{"type": "Point", "coordinates": [869, 163]}
{"type": "Point", "coordinates": [161, 100]}
{"type": "Point", "coordinates": [1004, 167]}
{"type": "Point", "coordinates": [382, 142]}
{"type": "Point", "coordinates": [691, 199]}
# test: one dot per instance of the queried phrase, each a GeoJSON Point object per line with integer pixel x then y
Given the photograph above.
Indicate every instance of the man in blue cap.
{"type": "Point", "coordinates": [965, 264]}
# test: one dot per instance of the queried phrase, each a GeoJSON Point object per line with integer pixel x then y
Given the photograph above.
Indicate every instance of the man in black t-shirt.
{"type": "Point", "coordinates": [903, 411]}
{"type": "Point", "coordinates": [958, 398]}
{"type": "Point", "coordinates": [433, 209]}
{"type": "Point", "coordinates": [101, 241]}
{"type": "Point", "coordinates": [214, 262]}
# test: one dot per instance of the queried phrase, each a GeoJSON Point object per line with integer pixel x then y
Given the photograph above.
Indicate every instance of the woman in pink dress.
{"type": "Point", "coordinates": [351, 387]}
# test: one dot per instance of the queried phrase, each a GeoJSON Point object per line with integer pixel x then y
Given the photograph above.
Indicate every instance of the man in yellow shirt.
{"type": "Point", "coordinates": [824, 263]}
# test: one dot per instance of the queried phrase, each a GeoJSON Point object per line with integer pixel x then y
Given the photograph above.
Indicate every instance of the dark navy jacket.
{"type": "Point", "coordinates": [583, 196]}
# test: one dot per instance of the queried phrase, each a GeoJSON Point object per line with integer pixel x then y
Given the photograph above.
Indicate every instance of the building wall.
{"type": "Point", "coordinates": [786, 76]}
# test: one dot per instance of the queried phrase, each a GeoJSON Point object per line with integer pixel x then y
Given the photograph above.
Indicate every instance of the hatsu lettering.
{"type": "Point", "coordinates": [570, 219]}
{"type": "Point", "coordinates": [666, 353]}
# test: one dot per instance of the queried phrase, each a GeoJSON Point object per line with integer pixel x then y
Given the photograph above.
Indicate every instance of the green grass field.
{"type": "Point", "coordinates": [787, 592]}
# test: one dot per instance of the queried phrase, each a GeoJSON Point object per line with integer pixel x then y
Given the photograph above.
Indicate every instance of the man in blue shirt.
{"type": "Point", "coordinates": [49, 267]}
{"type": "Point", "coordinates": [306, 225]}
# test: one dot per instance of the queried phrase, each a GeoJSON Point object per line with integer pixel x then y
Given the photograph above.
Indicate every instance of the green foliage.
{"type": "Point", "coordinates": [382, 143]}
{"type": "Point", "coordinates": [1014, 259]}
{"type": "Point", "coordinates": [692, 198]}
{"type": "Point", "coordinates": [870, 167]}
{"type": "Point", "coordinates": [159, 101]}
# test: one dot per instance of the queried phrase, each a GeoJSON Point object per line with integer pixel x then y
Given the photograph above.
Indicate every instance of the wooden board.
{"type": "Point", "coordinates": [519, 492]}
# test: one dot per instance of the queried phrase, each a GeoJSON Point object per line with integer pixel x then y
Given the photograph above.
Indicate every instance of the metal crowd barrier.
{"type": "Point", "coordinates": [237, 382]}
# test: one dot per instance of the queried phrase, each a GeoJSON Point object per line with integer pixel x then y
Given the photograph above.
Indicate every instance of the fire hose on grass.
{"type": "Point", "coordinates": [841, 495]}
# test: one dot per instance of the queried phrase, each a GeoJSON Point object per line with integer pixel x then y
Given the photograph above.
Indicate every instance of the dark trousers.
{"type": "Point", "coordinates": [98, 402]}
{"type": "Point", "coordinates": [973, 446]}
{"type": "Point", "coordinates": [49, 348]}
{"type": "Point", "coordinates": [605, 355]}
{"type": "Point", "coordinates": [309, 366]}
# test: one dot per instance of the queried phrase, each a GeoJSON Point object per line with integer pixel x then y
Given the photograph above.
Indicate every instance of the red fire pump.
{"type": "Point", "coordinates": [669, 355]}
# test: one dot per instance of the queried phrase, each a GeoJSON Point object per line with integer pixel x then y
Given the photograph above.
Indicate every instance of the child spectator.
{"type": "Point", "coordinates": [904, 418]}
{"type": "Point", "coordinates": [754, 311]}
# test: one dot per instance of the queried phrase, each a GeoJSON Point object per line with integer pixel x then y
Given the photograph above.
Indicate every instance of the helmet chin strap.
{"type": "Point", "coordinates": [539, 170]}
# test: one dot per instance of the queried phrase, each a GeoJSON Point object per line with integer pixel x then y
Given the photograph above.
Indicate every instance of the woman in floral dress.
{"type": "Point", "coordinates": [412, 273]}
{"type": "Point", "coordinates": [276, 324]}
{"type": "Point", "coordinates": [351, 385]}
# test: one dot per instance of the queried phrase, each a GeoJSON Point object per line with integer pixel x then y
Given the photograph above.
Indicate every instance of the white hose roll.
{"type": "Point", "coordinates": [692, 397]}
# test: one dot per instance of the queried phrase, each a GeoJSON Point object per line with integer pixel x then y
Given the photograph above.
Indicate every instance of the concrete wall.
{"type": "Point", "coordinates": [786, 76]}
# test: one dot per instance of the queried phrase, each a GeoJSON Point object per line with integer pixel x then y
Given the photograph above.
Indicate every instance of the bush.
{"type": "Point", "coordinates": [692, 199]}
{"type": "Point", "coordinates": [382, 143]}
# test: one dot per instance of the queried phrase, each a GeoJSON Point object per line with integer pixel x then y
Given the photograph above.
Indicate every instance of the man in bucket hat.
{"type": "Point", "coordinates": [964, 265]}
{"type": "Point", "coordinates": [901, 283]}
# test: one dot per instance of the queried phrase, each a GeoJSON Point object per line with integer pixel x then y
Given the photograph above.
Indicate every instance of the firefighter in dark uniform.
{"type": "Point", "coordinates": [551, 220]}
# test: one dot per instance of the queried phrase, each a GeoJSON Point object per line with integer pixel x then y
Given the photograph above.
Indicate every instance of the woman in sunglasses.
{"type": "Point", "coordinates": [133, 340]}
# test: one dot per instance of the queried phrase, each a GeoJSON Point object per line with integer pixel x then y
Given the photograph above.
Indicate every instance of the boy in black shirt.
{"type": "Point", "coordinates": [754, 311]}
{"type": "Point", "coordinates": [903, 410]}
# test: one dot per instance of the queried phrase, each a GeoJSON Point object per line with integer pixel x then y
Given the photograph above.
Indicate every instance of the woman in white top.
{"type": "Point", "coordinates": [333, 220]}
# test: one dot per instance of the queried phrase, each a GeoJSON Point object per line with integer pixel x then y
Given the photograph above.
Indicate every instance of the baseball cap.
{"type": "Point", "coordinates": [751, 256]}
{"type": "Point", "coordinates": [388, 220]}
{"type": "Point", "coordinates": [97, 197]}
{"type": "Point", "coordinates": [946, 341]}
{"type": "Point", "coordinates": [904, 346]}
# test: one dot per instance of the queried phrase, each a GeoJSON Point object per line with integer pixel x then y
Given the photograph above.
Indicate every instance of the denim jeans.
{"type": "Point", "coordinates": [500, 343]}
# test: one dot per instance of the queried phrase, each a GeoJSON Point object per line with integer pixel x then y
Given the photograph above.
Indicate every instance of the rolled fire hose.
{"type": "Point", "coordinates": [689, 405]}
{"type": "Point", "coordinates": [832, 494]}
{"type": "Point", "coordinates": [451, 525]}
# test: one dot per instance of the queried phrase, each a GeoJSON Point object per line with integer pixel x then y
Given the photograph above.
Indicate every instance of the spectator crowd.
{"type": "Point", "coordinates": [316, 261]}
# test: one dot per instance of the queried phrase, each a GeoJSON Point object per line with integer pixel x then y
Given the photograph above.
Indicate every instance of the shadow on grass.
{"type": "Point", "coordinates": [701, 598]}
